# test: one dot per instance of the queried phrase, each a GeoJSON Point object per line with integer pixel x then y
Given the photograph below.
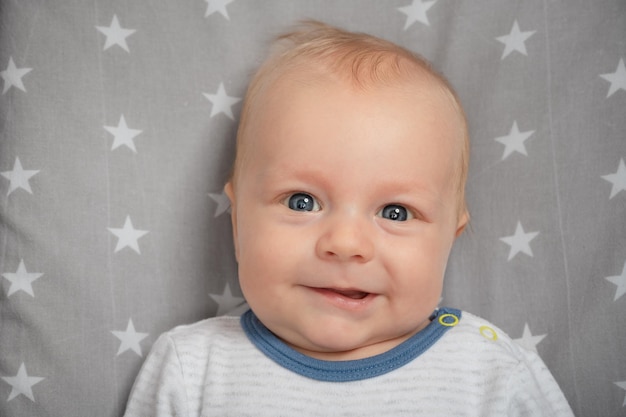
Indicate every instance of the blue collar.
{"type": "Point", "coordinates": [342, 371]}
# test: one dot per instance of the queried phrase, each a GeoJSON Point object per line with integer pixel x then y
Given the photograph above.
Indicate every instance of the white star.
{"type": "Point", "coordinates": [519, 242]}
{"type": "Point", "coordinates": [12, 76]}
{"type": "Point", "coordinates": [222, 102]}
{"type": "Point", "coordinates": [618, 179]}
{"type": "Point", "coordinates": [130, 339]}
{"type": "Point", "coordinates": [416, 12]}
{"type": "Point", "coordinates": [514, 41]}
{"type": "Point", "coordinates": [223, 203]}
{"type": "Point", "coordinates": [127, 236]}
{"type": "Point", "coordinates": [21, 279]}
{"type": "Point", "coordinates": [620, 281]}
{"type": "Point", "coordinates": [123, 135]}
{"type": "Point", "coordinates": [217, 6]}
{"type": "Point", "coordinates": [116, 35]}
{"type": "Point", "coordinates": [226, 302]}
{"type": "Point", "coordinates": [617, 78]}
{"type": "Point", "coordinates": [514, 141]}
{"type": "Point", "coordinates": [622, 385]}
{"type": "Point", "coordinates": [19, 177]}
{"type": "Point", "coordinates": [22, 384]}
{"type": "Point", "coordinates": [529, 341]}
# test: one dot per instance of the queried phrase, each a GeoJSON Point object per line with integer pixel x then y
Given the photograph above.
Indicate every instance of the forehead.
{"type": "Point", "coordinates": [420, 98]}
{"type": "Point", "coordinates": [337, 122]}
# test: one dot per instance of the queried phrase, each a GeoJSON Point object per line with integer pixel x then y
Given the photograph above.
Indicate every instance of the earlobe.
{"type": "Point", "coordinates": [462, 224]}
{"type": "Point", "coordinates": [230, 193]}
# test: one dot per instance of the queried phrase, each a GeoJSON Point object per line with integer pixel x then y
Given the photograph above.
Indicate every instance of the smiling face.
{"type": "Point", "coordinates": [345, 211]}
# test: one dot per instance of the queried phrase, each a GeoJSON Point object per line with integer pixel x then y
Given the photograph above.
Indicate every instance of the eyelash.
{"type": "Point", "coordinates": [305, 202]}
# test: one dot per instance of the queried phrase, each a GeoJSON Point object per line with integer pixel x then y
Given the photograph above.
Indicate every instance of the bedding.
{"type": "Point", "coordinates": [117, 125]}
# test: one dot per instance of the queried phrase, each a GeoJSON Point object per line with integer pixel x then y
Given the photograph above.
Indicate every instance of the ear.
{"type": "Point", "coordinates": [229, 190]}
{"type": "Point", "coordinates": [462, 224]}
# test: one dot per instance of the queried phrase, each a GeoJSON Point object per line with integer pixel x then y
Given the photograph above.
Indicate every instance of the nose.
{"type": "Point", "coordinates": [346, 237]}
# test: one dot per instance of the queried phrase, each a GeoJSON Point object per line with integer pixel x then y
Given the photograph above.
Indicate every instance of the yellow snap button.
{"type": "Point", "coordinates": [488, 333]}
{"type": "Point", "coordinates": [444, 320]}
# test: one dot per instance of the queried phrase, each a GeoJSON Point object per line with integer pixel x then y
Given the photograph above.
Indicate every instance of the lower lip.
{"type": "Point", "coordinates": [343, 302]}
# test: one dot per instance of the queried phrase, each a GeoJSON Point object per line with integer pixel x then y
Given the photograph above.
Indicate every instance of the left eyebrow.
{"type": "Point", "coordinates": [414, 192]}
{"type": "Point", "coordinates": [308, 175]}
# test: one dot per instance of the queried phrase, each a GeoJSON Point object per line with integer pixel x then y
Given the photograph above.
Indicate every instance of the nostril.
{"type": "Point", "coordinates": [357, 254]}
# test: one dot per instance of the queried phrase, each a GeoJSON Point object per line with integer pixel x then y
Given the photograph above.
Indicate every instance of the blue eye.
{"type": "Point", "coordinates": [302, 202]}
{"type": "Point", "coordinates": [394, 212]}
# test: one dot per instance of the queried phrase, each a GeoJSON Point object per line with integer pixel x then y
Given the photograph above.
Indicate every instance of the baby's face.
{"type": "Point", "coordinates": [344, 214]}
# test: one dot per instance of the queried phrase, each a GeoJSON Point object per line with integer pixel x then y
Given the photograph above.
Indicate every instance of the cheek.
{"type": "Point", "coordinates": [269, 263]}
{"type": "Point", "coordinates": [256, 266]}
{"type": "Point", "coordinates": [266, 255]}
{"type": "Point", "coordinates": [421, 261]}
{"type": "Point", "coordinates": [260, 242]}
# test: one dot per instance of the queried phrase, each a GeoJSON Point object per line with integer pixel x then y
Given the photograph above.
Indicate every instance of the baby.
{"type": "Point", "coordinates": [347, 194]}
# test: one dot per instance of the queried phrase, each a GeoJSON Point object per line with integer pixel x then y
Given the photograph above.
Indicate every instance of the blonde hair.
{"type": "Point", "coordinates": [358, 58]}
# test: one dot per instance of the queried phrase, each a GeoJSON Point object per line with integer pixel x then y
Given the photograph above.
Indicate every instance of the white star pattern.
{"type": "Point", "coordinates": [617, 79]}
{"type": "Point", "coordinates": [19, 177]}
{"type": "Point", "coordinates": [618, 179]}
{"type": "Point", "coordinates": [519, 242]}
{"type": "Point", "coordinates": [217, 6]}
{"type": "Point", "coordinates": [620, 281]}
{"type": "Point", "coordinates": [12, 76]}
{"type": "Point", "coordinates": [222, 102]}
{"type": "Point", "coordinates": [223, 203]}
{"type": "Point", "coordinates": [529, 341]}
{"type": "Point", "coordinates": [416, 12]}
{"type": "Point", "coordinates": [157, 159]}
{"type": "Point", "coordinates": [515, 40]}
{"type": "Point", "coordinates": [115, 34]}
{"type": "Point", "coordinates": [130, 339]}
{"type": "Point", "coordinates": [514, 141]}
{"type": "Point", "coordinates": [123, 135]}
{"type": "Point", "coordinates": [22, 384]}
{"type": "Point", "coordinates": [21, 280]}
{"type": "Point", "coordinates": [127, 236]}
{"type": "Point", "coordinates": [226, 302]}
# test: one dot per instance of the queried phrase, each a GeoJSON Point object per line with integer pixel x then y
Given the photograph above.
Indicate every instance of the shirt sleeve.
{"type": "Point", "coordinates": [533, 390]}
{"type": "Point", "coordinates": [159, 387]}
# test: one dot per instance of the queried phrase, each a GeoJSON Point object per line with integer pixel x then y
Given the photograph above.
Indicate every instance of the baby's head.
{"type": "Point", "coordinates": [347, 191]}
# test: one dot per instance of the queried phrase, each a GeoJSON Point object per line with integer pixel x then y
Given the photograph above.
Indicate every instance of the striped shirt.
{"type": "Point", "coordinates": [460, 365]}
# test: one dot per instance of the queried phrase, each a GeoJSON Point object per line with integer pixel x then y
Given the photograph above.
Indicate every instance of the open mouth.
{"type": "Point", "coordinates": [352, 294]}
{"type": "Point", "coordinates": [353, 300]}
